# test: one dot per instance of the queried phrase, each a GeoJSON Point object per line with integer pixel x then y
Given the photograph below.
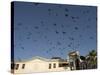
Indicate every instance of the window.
{"type": "Point", "coordinates": [60, 65]}
{"type": "Point", "coordinates": [23, 66]}
{"type": "Point", "coordinates": [54, 65]}
{"type": "Point", "coordinates": [49, 66]}
{"type": "Point", "coordinates": [16, 66]}
{"type": "Point", "coordinates": [63, 65]}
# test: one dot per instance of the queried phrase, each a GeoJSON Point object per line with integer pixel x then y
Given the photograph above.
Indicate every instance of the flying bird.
{"type": "Point", "coordinates": [76, 28]}
{"type": "Point", "coordinates": [47, 51]}
{"type": "Point", "coordinates": [36, 4]}
{"type": "Point", "coordinates": [28, 37]}
{"type": "Point", "coordinates": [57, 32]}
{"type": "Point", "coordinates": [66, 15]}
{"type": "Point", "coordinates": [49, 9]}
{"type": "Point", "coordinates": [55, 24]}
{"type": "Point", "coordinates": [91, 37]}
{"type": "Point", "coordinates": [69, 45]}
{"type": "Point", "coordinates": [58, 43]}
{"type": "Point", "coordinates": [22, 48]}
{"type": "Point", "coordinates": [35, 40]}
{"type": "Point", "coordinates": [19, 24]}
{"type": "Point", "coordinates": [72, 17]}
{"type": "Point", "coordinates": [66, 9]}
{"type": "Point", "coordinates": [64, 32]}
{"type": "Point", "coordinates": [71, 38]}
{"type": "Point", "coordinates": [56, 14]}
{"type": "Point", "coordinates": [36, 27]}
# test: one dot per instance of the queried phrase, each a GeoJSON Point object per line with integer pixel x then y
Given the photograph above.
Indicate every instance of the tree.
{"type": "Point", "coordinates": [83, 64]}
{"type": "Point", "coordinates": [92, 59]}
{"type": "Point", "coordinates": [82, 58]}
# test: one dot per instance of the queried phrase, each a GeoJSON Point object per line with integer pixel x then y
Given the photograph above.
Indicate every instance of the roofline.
{"type": "Point", "coordinates": [37, 57]}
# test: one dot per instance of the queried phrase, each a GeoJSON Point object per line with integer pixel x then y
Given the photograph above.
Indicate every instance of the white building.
{"type": "Point", "coordinates": [39, 64]}
{"type": "Point", "coordinates": [74, 60]}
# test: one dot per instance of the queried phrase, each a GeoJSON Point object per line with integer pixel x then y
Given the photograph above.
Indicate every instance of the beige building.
{"type": "Point", "coordinates": [40, 64]}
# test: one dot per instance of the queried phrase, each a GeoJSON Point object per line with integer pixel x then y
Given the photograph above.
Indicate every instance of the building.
{"type": "Point", "coordinates": [40, 64]}
{"type": "Point", "coordinates": [74, 60]}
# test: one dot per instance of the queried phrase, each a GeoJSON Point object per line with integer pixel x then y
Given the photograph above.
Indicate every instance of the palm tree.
{"type": "Point", "coordinates": [92, 59]}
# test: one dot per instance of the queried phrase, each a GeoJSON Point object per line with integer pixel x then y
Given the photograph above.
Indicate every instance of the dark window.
{"type": "Point", "coordinates": [54, 65]}
{"type": "Point", "coordinates": [71, 64]}
{"type": "Point", "coordinates": [23, 66]}
{"type": "Point", "coordinates": [16, 66]}
{"type": "Point", "coordinates": [49, 66]}
{"type": "Point", "coordinates": [60, 65]}
{"type": "Point", "coordinates": [63, 65]}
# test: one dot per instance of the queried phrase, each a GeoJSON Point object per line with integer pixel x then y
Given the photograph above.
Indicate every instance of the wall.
{"type": "Point", "coordinates": [38, 66]}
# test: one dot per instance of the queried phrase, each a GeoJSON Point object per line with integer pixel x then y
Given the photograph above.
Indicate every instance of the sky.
{"type": "Point", "coordinates": [53, 30]}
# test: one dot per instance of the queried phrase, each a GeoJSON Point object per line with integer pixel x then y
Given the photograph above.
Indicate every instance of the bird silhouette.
{"type": "Point", "coordinates": [71, 38]}
{"type": "Point", "coordinates": [35, 40]}
{"type": "Point", "coordinates": [55, 24]}
{"type": "Point", "coordinates": [36, 4]}
{"type": "Point", "coordinates": [56, 14]}
{"type": "Point", "coordinates": [91, 37]}
{"type": "Point", "coordinates": [64, 32]}
{"type": "Point", "coordinates": [36, 27]}
{"type": "Point", "coordinates": [58, 43]}
{"type": "Point", "coordinates": [76, 28]}
{"type": "Point", "coordinates": [22, 48]}
{"type": "Point", "coordinates": [66, 9]}
{"type": "Point", "coordinates": [28, 37]}
{"type": "Point", "coordinates": [19, 24]}
{"type": "Point", "coordinates": [49, 9]}
{"type": "Point", "coordinates": [69, 45]}
{"type": "Point", "coordinates": [72, 17]}
{"type": "Point", "coordinates": [57, 32]}
{"type": "Point", "coordinates": [66, 15]}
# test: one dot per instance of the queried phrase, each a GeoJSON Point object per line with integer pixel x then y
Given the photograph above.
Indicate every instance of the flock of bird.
{"type": "Point", "coordinates": [57, 32]}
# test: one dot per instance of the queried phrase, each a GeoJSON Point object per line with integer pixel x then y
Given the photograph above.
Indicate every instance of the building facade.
{"type": "Point", "coordinates": [74, 60]}
{"type": "Point", "coordinates": [39, 64]}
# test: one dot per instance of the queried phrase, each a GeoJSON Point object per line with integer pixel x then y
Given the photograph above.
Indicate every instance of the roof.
{"type": "Point", "coordinates": [74, 53]}
{"type": "Point", "coordinates": [56, 58]}
{"type": "Point", "coordinates": [38, 57]}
